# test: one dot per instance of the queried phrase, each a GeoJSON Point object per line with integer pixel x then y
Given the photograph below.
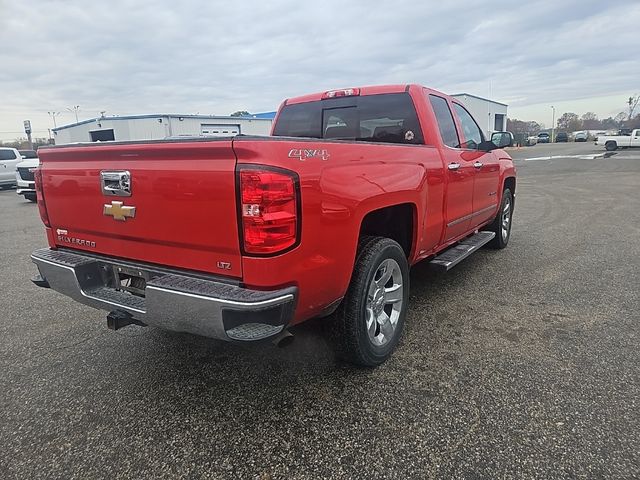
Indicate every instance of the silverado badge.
{"type": "Point", "coordinates": [119, 211]}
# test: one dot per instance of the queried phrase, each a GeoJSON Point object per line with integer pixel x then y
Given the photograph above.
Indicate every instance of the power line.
{"type": "Point", "coordinates": [22, 131]}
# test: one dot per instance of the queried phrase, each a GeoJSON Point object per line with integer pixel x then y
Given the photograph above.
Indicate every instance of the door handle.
{"type": "Point", "coordinates": [478, 164]}
{"type": "Point", "coordinates": [453, 166]}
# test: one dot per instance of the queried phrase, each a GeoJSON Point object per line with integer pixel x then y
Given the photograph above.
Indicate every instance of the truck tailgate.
{"type": "Point", "coordinates": [183, 194]}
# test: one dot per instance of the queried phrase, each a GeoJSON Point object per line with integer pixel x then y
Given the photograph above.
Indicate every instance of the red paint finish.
{"type": "Point", "coordinates": [336, 195]}
{"type": "Point", "coordinates": [186, 195]}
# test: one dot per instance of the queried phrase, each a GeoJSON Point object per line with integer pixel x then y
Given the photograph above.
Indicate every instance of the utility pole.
{"type": "Point", "coordinates": [553, 123]}
{"type": "Point", "coordinates": [53, 116]}
{"type": "Point", "coordinates": [74, 109]}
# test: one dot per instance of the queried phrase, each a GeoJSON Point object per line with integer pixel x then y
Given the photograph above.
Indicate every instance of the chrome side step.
{"type": "Point", "coordinates": [454, 255]}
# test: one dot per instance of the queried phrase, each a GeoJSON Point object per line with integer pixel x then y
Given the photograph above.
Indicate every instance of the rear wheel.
{"type": "Point", "coordinates": [611, 146]}
{"type": "Point", "coordinates": [501, 225]}
{"type": "Point", "coordinates": [369, 321]}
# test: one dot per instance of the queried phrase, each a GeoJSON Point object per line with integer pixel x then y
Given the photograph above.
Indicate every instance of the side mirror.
{"type": "Point", "coordinates": [502, 139]}
{"type": "Point", "coordinates": [23, 157]}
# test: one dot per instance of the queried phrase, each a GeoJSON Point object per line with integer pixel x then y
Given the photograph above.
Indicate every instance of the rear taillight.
{"type": "Point", "coordinates": [269, 210]}
{"type": "Point", "coordinates": [37, 176]}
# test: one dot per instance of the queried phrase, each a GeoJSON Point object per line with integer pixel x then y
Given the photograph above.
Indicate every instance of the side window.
{"type": "Point", "coordinates": [446, 125]}
{"type": "Point", "coordinates": [472, 133]}
{"type": "Point", "coordinates": [7, 155]}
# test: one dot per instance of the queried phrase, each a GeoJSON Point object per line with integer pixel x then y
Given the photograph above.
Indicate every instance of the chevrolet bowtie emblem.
{"type": "Point", "coordinates": [119, 211]}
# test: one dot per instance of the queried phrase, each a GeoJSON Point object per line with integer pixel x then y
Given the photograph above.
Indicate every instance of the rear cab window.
{"type": "Point", "coordinates": [385, 118]}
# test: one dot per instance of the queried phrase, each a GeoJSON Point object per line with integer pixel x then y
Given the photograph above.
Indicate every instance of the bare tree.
{"type": "Point", "coordinates": [590, 121]}
{"type": "Point", "coordinates": [633, 103]}
{"type": "Point", "coordinates": [569, 122]}
{"type": "Point", "coordinates": [619, 119]}
{"type": "Point", "coordinates": [520, 126]}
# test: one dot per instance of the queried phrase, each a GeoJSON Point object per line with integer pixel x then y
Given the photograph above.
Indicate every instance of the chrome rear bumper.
{"type": "Point", "coordinates": [173, 301]}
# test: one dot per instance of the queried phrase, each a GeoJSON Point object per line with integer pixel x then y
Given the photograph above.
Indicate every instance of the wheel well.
{"type": "Point", "coordinates": [510, 183]}
{"type": "Point", "coordinates": [394, 222]}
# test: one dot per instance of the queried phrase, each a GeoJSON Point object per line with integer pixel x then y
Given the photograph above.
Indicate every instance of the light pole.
{"type": "Point", "coordinates": [74, 109]}
{"type": "Point", "coordinates": [553, 122]}
{"type": "Point", "coordinates": [53, 116]}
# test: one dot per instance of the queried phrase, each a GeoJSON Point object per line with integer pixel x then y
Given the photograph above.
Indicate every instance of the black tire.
{"type": "Point", "coordinates": [32, 197]}
{"type": "Point", "coordinates": [351, 336]}
{"type": "Point", "coordinates": [611, 146]}
{"type": "Point", "coordinates": [501, 240]}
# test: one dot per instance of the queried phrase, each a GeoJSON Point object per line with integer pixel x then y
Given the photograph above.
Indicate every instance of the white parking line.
{"type": "Point", "coordinates": [592, 156]}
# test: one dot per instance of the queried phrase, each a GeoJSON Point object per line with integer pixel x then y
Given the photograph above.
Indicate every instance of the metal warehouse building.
{"type": "Point", "coordinates": [490, 115]}
{"type": "Point", "coordinates": [159, 126]}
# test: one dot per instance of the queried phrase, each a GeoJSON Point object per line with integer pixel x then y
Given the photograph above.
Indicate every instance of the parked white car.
{"type": "Point", "coordinates": [24, 174]}
{"type": "Point", "coordinates": [580, 136]}
{"type": "Point", "coordinates": [613, 142]}
{"type": "Point", "coordinates": [9, 158]}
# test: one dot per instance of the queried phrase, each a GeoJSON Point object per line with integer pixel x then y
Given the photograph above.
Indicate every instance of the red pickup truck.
{"type": "Point", "coordinates": [240, 238]}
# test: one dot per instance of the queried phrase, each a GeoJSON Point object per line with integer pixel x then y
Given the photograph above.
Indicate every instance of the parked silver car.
{"type": "Point", "coordinates": [580, 137]}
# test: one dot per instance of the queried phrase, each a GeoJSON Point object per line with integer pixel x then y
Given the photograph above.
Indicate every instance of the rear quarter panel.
{"type": "Point", "coordinates": [336, 194]}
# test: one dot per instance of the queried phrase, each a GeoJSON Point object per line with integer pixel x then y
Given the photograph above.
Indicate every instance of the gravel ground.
{"type": "Point", "coordinates": [522, 363]}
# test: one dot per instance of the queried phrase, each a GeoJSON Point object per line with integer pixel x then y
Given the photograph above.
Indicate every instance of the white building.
{"type": "Point", "coordinates": [490, 115]}
{"type": "Point", "coordinates": [159, 126]}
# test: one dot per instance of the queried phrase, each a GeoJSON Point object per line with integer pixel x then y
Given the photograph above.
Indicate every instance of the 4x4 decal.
{"type": "Point", "coordinates": [303, 154]}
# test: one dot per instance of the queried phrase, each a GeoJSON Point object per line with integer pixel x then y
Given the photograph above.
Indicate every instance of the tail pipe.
{"type": "Point", "coordinates": [283, 339]}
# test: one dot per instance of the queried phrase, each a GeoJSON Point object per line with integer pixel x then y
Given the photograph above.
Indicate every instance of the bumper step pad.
{"type": "Point", "coordinates": [254, 331]}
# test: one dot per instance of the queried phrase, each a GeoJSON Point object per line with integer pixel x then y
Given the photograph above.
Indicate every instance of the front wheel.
{"type": "Point", "coordinates": [31, 197]}
{"type": "Point", "coordinates": [501, 225]}
{"type": "Point", "coordinates": [369, 321]}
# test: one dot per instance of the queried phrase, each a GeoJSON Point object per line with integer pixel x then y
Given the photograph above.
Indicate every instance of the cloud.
{"type": "Point", "coordinates": [127, 56]}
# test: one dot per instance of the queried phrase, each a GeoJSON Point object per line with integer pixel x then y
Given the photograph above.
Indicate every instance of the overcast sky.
{"type": "Point", "coordinates": [127, 57]}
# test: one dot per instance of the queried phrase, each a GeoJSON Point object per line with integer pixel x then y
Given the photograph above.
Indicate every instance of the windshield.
{"type": "Point", "coordinates": [388, 118]}
{"type": "Point", "coordinates": [28, 153]}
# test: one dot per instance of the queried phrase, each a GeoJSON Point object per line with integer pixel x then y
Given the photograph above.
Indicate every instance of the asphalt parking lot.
{"type": "Point", "coordinates": [522, 363]}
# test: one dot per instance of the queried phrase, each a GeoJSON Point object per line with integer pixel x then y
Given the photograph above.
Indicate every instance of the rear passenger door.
{"type": "Point", "coordinates": [459, 172]}
{"type": "Point", "coordinates": [486, 166]}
